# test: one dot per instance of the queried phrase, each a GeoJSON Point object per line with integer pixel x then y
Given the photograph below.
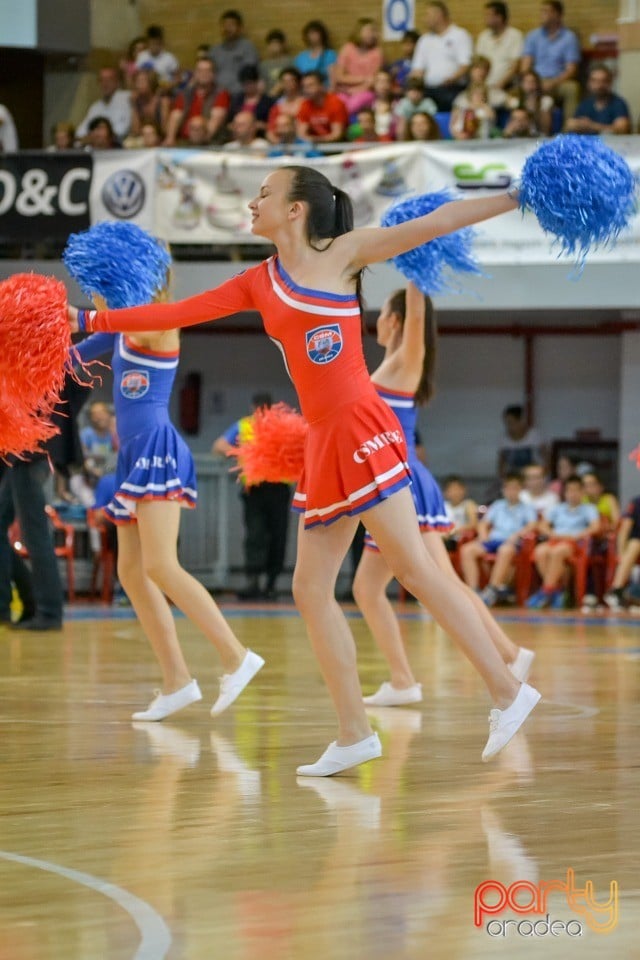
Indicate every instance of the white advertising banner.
{"type": "Point", "coordinates": [124, 187]}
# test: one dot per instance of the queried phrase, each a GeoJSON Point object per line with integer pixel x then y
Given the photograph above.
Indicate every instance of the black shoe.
{"type": "Point", "coordinates": [250, 593]}
{"type": "Point", "coordinates": [39, 624]}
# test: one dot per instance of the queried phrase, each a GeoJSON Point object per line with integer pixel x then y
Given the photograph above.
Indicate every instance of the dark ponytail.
{"type": "Point", "coordinates": [398, 305]}
{"type": "Point", "coordinates": [330, 210]}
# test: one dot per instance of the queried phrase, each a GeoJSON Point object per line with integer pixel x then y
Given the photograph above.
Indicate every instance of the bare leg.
{"type": "Point", "coordinates": [152, 610]}
{"type": "Point", "coordinates": [369, 590]}
{"type": "Point", "coordinates": [470, 555]}
{"type": "Point", "coordinates": [392, 524]}
{"type": "Point", "coordinates": [321, 551]}
{"type": "Point", "coordinates": [559, 553]}
{"type": "Point", "coordinates": [541, 556]}
{"type": "Point", "coordinates": [501, 573]}
{"type": "Point", "coordinates": [158, 524]}
{"type": "Point", "coordinates": [626, 564]}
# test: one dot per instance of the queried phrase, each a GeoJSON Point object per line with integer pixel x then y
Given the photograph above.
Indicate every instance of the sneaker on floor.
{"type": "Point", "coordinates": [389, 696]}
{"type": "Point", "coordinates": [505, 596]}
{"type": "Point", "coordinates": [335, 759]}
{"type": "Point", "coordinates": [232, 684]}
{"type": "Point", "coordinates": [613, 599]}
{"type": "Point", "coordinates": [504, 724]}
{"type": "Point", "coordinates": [558, 600]}
{"type": "Point", "coordinates": [589, 601]}
{"type": "Point", "coordinates": [165, 704]}
{"type": "Point", "coordinates": [38, 624]}
{"type": "Point", "coordinates": [540, 600]}
{"type": "Point", "coordinates": [489, 596]}
{"type": "Point", "coordinates": [522, 664]}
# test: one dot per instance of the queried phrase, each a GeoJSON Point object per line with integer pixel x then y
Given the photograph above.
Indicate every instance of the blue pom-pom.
{"type": "Point", "coordinates": [431, 264]}
{"type": "Point", "coordinates": [119, 261]}
{"type": "Point", "coordinates": [581, 191]}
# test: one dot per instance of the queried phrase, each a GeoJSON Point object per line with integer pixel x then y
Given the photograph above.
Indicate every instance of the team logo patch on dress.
{"type": "Point", "coordinates": [324, 343]}
{"type": "Point", "coordinates": [134, 384]}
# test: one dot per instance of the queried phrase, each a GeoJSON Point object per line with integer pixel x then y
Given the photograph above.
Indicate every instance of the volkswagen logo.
{"type": "Point", "coordinates": [123, 194]}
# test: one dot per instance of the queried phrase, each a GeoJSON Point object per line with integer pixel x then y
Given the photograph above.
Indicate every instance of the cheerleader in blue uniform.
{"type": "Point", "coordinates": [406, 329]}
{"type": "Point", "coordinates": [155, 479]}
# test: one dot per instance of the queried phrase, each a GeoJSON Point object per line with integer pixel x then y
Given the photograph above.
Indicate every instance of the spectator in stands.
{"type": "Point", "coordinates": [501, 44]}
{"type": "Point", "coordinates": [246, 134]}
{"type": "Point", "coordinates": [628, 547]}
{"type": "Point", "coordinates": [442, 56]}
{"type": "Point", "coordinates": [251, 99]}
{"type": "Point", "coordinates": [276, 60]}
{"type": "Point", "coordinates": [101, 135]}
{"type": "Point", "coordinates": [521, 444]}
{"type": "Point", "coordinates": [603, 111]}
{"type": "Point", "coordinates": [114, 104]}
{"type": "Point", "coordinates": [364, 129]}
{"type": "Point", "coordinates": [235, 52]}
{"type": "Point", "coordinates": [289, 102]}
{"type": "Point", "coordinates": [155, 57]}
{"type": "Point", "coordinates": [99, 443]}
{"type": "Point", "coordinates": [422, 128]}
{"type": "Point", "coordinates": [536, 492]}
{"type": "Point", "coordinates": [150, 134]}
{"type": "Point", "coordinates": [461, 509]}
{"type": "Point", "coordinates": [400, 70]}
{"type": "Point", "coordinates": [285, 141]}
{"type": "Point", "coordinates": [197, 132]}
{"type": "Point", "coordinates": [565, 468]}
{"type": "Point", "coordinates": [382, 106]}
{"type": "Point", "coordinates": [499, 534]}
{"type": "Point", "coordinates": [147, 103]}
{"type": "Point", "coordinates": [358, 62]}
{"type": "Point", "coordinates": [474, 110]}
{"type": "Point", "coordinates": [203, 97]}
{"type": "Point", "coordinates": [553, 52]}
{"type": "Point", "coordinates": [520, 123]}
{"type": "Point", "coordinates": [63, 135]}
{"type": "Point", "coordinates": [414, 101]}
{"type": "Point", "coordinates": [323, 117]}
{"type": "Point", "coordinates": [317, 54]}
{"type": "Point", "coordinates": [529, 96]}
{"type": "Point", "coordinates": [567, 523]}
{"type": "Point", "coordinates": [606, 503]}
{"type": "Point", "coordinates": [128, 68]}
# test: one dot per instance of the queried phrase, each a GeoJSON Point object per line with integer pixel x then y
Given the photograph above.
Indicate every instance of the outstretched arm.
{"type": "Point", "coordinates": [412, 346]}
{"type": "Point", "coordinates": [374, 244]}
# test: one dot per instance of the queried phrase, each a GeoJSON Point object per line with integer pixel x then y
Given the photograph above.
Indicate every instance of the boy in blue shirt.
{"type": "Point", "coordinates": [566, 524]}
{"type": "Point", "coordinates": [499, 534]}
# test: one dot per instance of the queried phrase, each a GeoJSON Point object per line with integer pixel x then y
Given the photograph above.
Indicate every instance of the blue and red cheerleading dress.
{"type": "Point", "coordinates": [154, 462]}
{"type": "Point", "coordinates": [355, 453]}
{"type": "Point", "coordinates": [427, 496]}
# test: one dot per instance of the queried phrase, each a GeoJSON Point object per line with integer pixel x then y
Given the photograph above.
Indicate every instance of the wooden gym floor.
{"type": "Point", "coordinates": [193, 839]}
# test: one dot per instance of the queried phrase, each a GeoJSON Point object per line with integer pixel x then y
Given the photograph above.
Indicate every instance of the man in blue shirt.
{"type": "Point", "coordinates": [566, 524]}
{"type": "Point", "coordinates": [499, 533]}
{"type": "Point", "coordinates": [553, 52]}
{"type": "Point", "coordinates": [602, 111]}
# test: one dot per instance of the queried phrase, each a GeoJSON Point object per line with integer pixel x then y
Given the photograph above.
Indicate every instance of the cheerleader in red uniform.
{"type": "Point", "coordinates": [407, 330]}
{"type": "Point", "coordinates": [355, 456]}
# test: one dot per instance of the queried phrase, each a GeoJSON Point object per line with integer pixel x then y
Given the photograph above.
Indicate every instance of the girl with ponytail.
{"type": "Point", "coordinates": [407, 330]}
{"type": "Point", "coordinates": [355, 463]}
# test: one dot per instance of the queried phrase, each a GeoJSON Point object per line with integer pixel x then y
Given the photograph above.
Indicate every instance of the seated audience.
{"type": "Point", "coordinates": [246, 135]}
{"type": "Point", "coordinates": [276, 60]}
{"type": "Point", "coordinates": [197, 132]}
{"type": "Point", "coordinates": [474, 110]}
{"type": "Point", "coordinates": [251, 99]}
{"type": "Point", "coordinates": [323, 117]}
{"type": "Point", "coordinates": [147, 103]}
{"type": "Point", "coordinates": [100, 135]}
{"type": "Point", "coordinates": [520, 123]}
{"type": "Point", "coordinates": [605, 503]}
{"type": "Point", "coordinates": [317, 55]}
{"type": "Point", "coordinates": [553, 52]}
{"type": "Point", "coordinates": [155, 57]}
{"type": "Point", "coordinates": [461, 510]}
{"type": "Point", "coordinates": [566, 524]}
{"type": "Point", "coordinates": [127, 65]}
{"type": "Point", "coordinates": [565, 468]}
{"type": "Point", "coordinates": [290, 100]}
{"type": "Point", "coordinates": [364, 129]}
{"type": "Point", "coordinates": [203, 97]}
{"type": "Point", "coordinates": [285, 141]}
{"type": "Point", "coordinates": [499, 533]}
{"type": "Point", "coordinates": [114, 105]}
{"type": "Point", "coordinates": [442, 56]}
{"type": "Point", "coordinates": [63, 135]}
{"type": "Point", "coordinates": [536, 491]}
{"type": "Point", "coordinates": [414, 101]}
{"type": "Point", "coordinates": [529, 96]}
{"type": "Point", "coordinates": [628, 548]}
{"type": "Point", "coordinates": [422, 128]}
{"type": "Point", "coordinates": [400, 70]}
{"type": "Point", "coordinates": [150, 135]}
{"type": "Point", "coordinates": [358, 62]}
{"type": "Point", "coordinates": [603, 111]}
{"type": "Point", "coordinates": [382, 106]}
{"type": "Point", "coordinates": [233, 53]}
{"type": "Point", "coordinates": [501, 44]}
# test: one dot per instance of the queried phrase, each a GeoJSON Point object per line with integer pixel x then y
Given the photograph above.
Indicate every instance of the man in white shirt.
{"type": "Point", "coordinates": [156, 58]}
{"type": "Point", "coordinates": [114, 104]}
{"type": "Point", "coordinates": [501, 44]}
{"type": "Point", "coordinates": [442, 56]}
{"type": "Point", "coordinates": [245, 134]}
{"type": "Point", "coordinates": [8, 134]}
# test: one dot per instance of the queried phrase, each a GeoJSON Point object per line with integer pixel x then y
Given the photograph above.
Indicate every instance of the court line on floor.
{"type": "Point", "coordinates": [155, 934]}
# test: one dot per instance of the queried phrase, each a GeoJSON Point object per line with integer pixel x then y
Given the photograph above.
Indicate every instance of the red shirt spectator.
{"type": "Point", "coordinates": [323, 116]}
{"type": "Point", "coordinates": [201, 98]}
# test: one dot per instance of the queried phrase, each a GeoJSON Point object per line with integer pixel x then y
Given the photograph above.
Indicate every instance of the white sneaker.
{"type": "Point", "coordinates": [390, 696]}
{"type": "Point", "coordinates": [335, 759]}
{"type": "Point", "coordinates": [232, 684]}
{"type": "Point", "coordinates": [612, 600]}
{"type": "Point", "coordinates": [503, 724]}
{"type": "Point", "coordinates": [522, 664]}
{"type": "Point", "coordinates": [165, 704]}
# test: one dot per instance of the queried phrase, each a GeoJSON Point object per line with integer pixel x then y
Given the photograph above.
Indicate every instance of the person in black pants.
{"type": "Point", "coordinates": [266, 516]}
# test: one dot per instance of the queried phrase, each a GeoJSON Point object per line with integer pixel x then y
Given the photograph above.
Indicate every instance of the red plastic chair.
{"type": "Point", "coordinates": [104, 561]}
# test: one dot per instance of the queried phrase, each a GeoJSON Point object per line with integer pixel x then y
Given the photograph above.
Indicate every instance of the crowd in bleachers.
{"type": "Point", "coordinates": [444, 84]}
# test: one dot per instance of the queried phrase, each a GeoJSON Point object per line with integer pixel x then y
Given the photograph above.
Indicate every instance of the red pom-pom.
{"type": "Point", "coordinates": [34, 359]}
{"type": "Point", "coordinates": [275, 452]}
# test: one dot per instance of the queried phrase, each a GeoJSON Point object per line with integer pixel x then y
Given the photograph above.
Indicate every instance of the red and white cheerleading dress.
{"type": "Point", "coordinates": [355, 453]}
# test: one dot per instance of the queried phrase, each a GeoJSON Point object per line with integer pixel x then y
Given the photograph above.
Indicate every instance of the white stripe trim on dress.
{"type": "Point", "coordinates": [310, 307]}
{"type": "Point", "coordinates": [134, 488]}
{"type": "Point", "coordinates": [358, 494]}
{"type": "Point", "coordinates": [145, 361]}
{"type": "Point", "coordinates": [405, 404]}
